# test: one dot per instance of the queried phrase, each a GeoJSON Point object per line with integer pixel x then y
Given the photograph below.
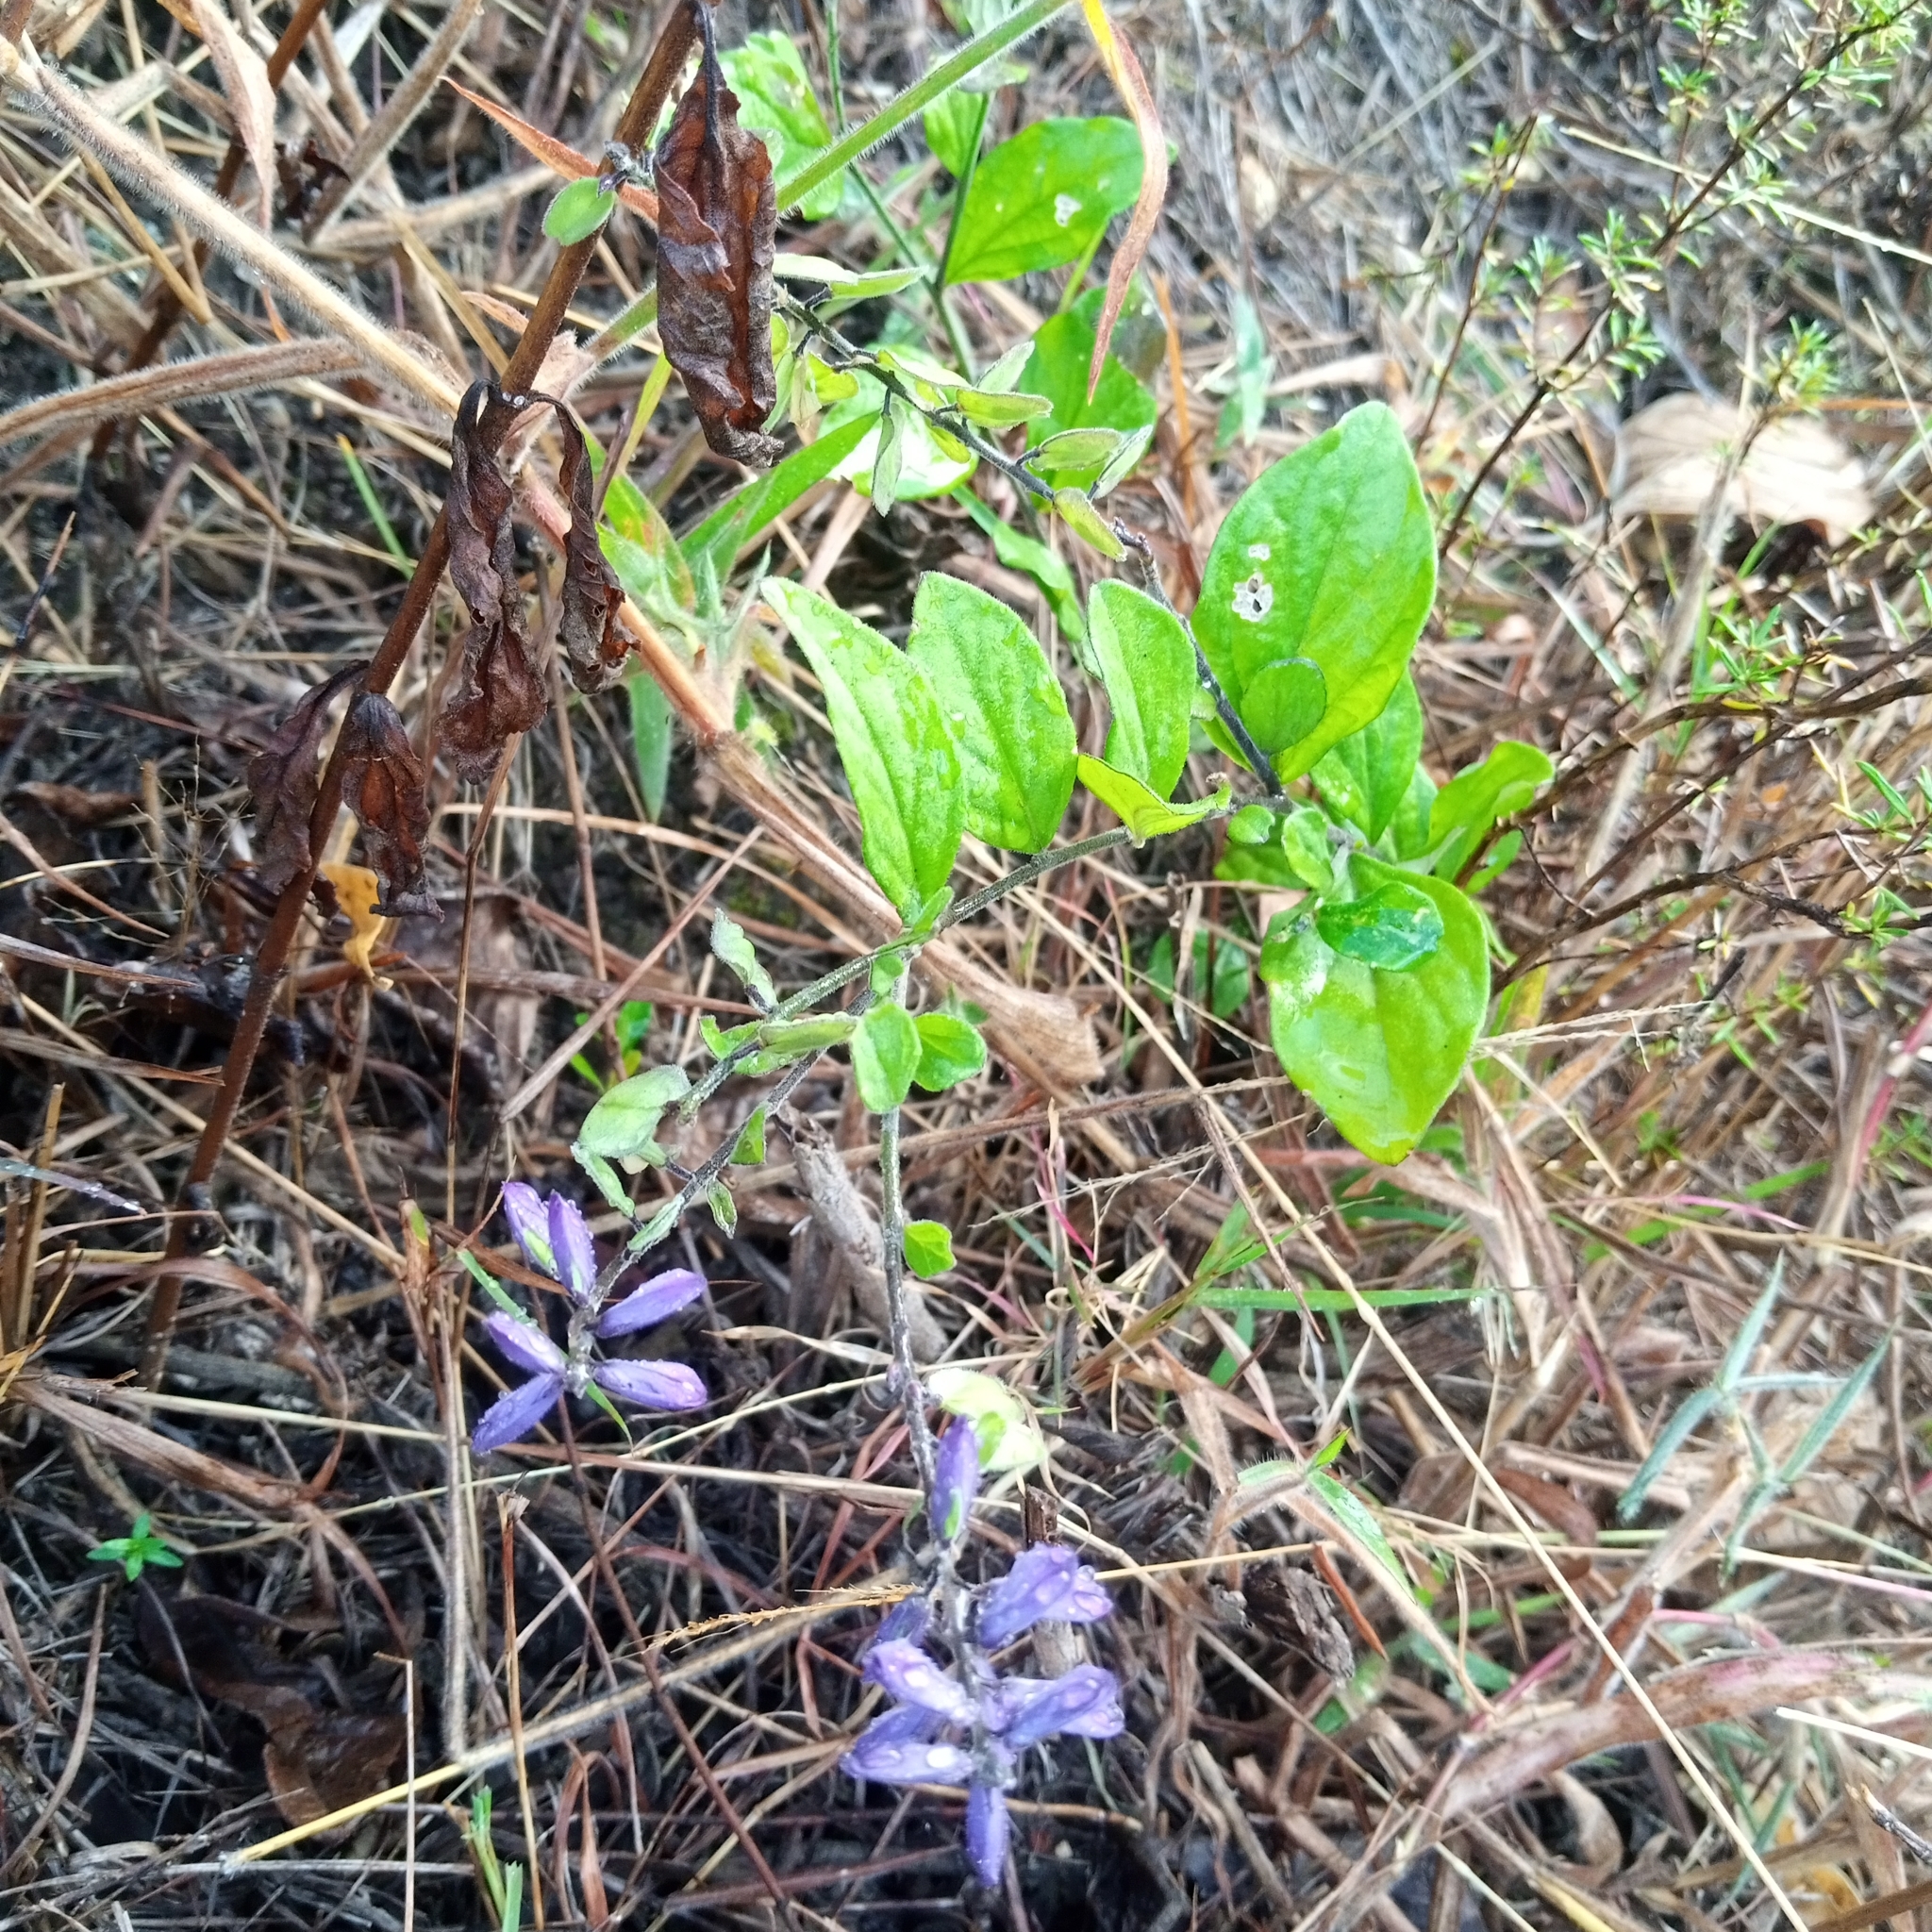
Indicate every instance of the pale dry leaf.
{"type": "Point", "coordinates": [251, 98]}
{"type": "Point", "coordinates": [1796, 471]}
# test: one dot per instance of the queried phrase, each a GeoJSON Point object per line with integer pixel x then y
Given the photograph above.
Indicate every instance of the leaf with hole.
{"type": "Point", "coordinates": [1041, 199]}
{"type": "Point", "coordinates": [1329, 556]}
{"type": "Point", "coordinates": [893, 741]}
{"type": "Point", "coordinates": [1007, 713]}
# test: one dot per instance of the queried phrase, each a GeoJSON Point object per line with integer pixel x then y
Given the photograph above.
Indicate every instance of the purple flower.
{"type": "Point", "coordinates": [909, 1676]}
{"type": "Point", "coordinates": [555, 1238]}
{"type": "Point", "coordinates": [908, 1619]}
{"type": "Point", "coordinates": [1086, 1702]}
{"type": "Point", "coordinates": [1049, 1581]}
{"type": "Point", "coordinates": [516, 1413]}
{"type": "Point", "coordinates": [523, 1208]}
{"type": "Point", "coordinates": [989, 1831]}
{"type": "Point", "coordinates": [955, 1481]}
{"type": "Point", "coordinates": [646, 1306]}
{"type": "Point", "coordinates": [887, 1757]}
{"type": "Point", "coordinates": [652, 1385]}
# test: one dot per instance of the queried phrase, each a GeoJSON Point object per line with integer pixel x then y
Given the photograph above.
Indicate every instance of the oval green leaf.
{"type": "Point", "coordinates": [1380, 1052]}
{"type": "Point", "coordinates": [1394, 928]}
{"type": "Point", "coordinates": [885, 1052]}
{"type": "Point", "coordinates": [928, 1248]}
{"type": "Point", "coordinates": [950, 1050]}
{"type": "Point", "coordinates": [578, 212]}
{"type": "Point", "coordinates": [624, 1123]}
{"type": "Point", "coordinates": [1148, 668]}
{"type": "Point", "coordinates": [1472, 801]}
{"type": "Point", "coordinates": [1328, 555]}
{"type": "Point", "coordinates": [1043, 198]}
{"type": "Point", "coordinates": [1145, 814]}
{"type": "Point", "coordinates": [1007, 712]}
{"type": "Point", "coordinates": [1366, 777]}
{"type": "Point", "coordinates": [1284, 703]}
{"type": "Point", "coordinates": [893, 741]}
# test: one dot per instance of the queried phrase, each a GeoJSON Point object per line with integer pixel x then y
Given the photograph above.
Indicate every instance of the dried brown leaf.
{"type": "Point", "coordinates": [251, 98]}
{"type": "Point", "coordinates": [717, 228]}
{"type": "Point", "coordinates": [495, 693]}
{"type": "Point", "coordinates": [283, 777]}
{"type": "Point", "coordinates": [382, 783]}
{"type": "Point", "coordinates": [595, 645]}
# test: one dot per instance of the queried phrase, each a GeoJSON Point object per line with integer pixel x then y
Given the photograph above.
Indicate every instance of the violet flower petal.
{"type": "Point", "coordinates": [955, 1480]}
{"type": "Point", "coordinates": [516, 1413]}
{"type": "Point", "coordinates": [662, 1295]}
{"type": "Point", "coordinates": [905, 1761]}
{"type": "Point", "coordinates": [575, 1252]}
{"type": "Point", "coordinates": [1085, 1702]}
{"type": "Point", "coordinates": [905, 1622]}
{"type": "Point", "coordinates": [1047, 1581]}
{"type": "Point", "coordinates": [903, 1723]}
{"type": "Point", "coordinates": [523, 1208]}
{"type": "Point", "coordinates": [911, 1677]}
{"type": "Point", "coordinates": [652, 1385]}
{"type": "Point", "coordinates": [525, 1344]}
{"type": "Point", "coordinates": [989, 1831]}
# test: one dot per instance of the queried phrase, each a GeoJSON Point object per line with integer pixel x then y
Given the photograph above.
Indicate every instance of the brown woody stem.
{"type": "Point", "coordinates": [674, 42]}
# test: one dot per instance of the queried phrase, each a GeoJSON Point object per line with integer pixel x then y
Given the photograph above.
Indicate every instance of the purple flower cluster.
{"type": "Point", "coordinates": [555, 1241]}
{"type": "Point", "coordinates": [1003, 1715]}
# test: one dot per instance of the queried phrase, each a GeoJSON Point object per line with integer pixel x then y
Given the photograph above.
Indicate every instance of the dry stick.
{"type": "Point", "coordinates": [674, 42]}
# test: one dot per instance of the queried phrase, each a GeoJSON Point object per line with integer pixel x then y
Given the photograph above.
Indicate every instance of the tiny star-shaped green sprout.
{"type": "Point", "coordinates": [135, 1551]}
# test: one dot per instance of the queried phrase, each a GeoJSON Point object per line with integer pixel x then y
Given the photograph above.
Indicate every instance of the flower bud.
{"type": "Point", "coordinates": [955, 1481]}
{"type": "Point", "coordinates": [1047, 1581]}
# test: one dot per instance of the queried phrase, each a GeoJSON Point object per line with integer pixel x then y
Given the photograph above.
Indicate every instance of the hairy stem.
{"type": "Point", "coordinates": [892, 1262]}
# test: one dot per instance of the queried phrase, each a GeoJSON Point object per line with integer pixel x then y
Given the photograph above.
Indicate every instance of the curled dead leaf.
{"type": "Point", "coordinates": [716, 242]}
{"type": "Point", "coordinates": [595, 645]}
{"type": "Point", "coordinates": [495, 693]}
{"type": "Point", "coordinates": [284, 780]}
{"type": "Point", "coordinates": [382, 783]}
{"type": "Point", "coordinates": [1796, 471]}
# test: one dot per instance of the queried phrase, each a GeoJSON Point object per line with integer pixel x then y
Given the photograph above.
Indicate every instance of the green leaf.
{"type": "Point", "coordinates": [1125, 461]}
{"type": "Point", "coordinates": [632, 1025]}
{"type": "Point", "coordinates": [1075, 510]}
{"type": "Point", "coordinates": [1284, 702]}
{"type": "Point", "coordinates": [723, 1209]}
{"type": "Point", "coordinates": [929, 1247]}
{"type": "Point", "coordinates": [638, 547]}
{"type": "Point", "coordinates": [1673, 1435]}
{"type": "Point", "coordinates": [1143, 812]}
{"type": "Point", "coordinates": [1226, 974]}
{"type": "Point", "coordinates": [747, 512]}
{"type": "Point", "coordinates": [893, 741]}
{"type": "Point", "coordinates": [954, 125]}
{"type": "Point", "coordinates": [1010, 1438]}
{"type": "Point", "coordinates": [579, 212]}
{"type": "Point", "coordinates": [1358, 1520]}
{"type": "Point", "coordinates": [1295, 959]}
{"type": "Point", "coordinates": [1076, 449]}
{"type": "Point", "coordinates": [1473, 800]}
{"type": "Point", "coordinates": [1001, 410]}
{"type": "Point", "coordinates": [775, 100]}
{"type": "Point", "coordinates": [1366, 777]}
{"type": "Point", "coordinates": [1041, 199]}
{"type": "Point", "coordinates": [1380, 1052]}
{"type": "Point", "coordinates": [1409, 830]}
{"type": "Point", "coordinates": [623, 1125]}
{"type": "Point", "coordinates": [1057, 369]}
{"type": "Point", "coordinates": [750, 1150]}
{"type": "Point", "coordinates": [1148, 667]}
{"type": "Point", "coordinates": [1007, 712]}
{"type": "Point", "coordinates": [1018, 551]}
{"type": "Point", "coordinates": [728, 941]}
{"type": "Point", "coordinates": [1006, 373]}
{"type": "Point", "coordinates": [1329, 556]}
{"type": "Point", "coordinates": [783, 1042]}
{"type": "Point", "coordinates": [950, 1050]}
{"type": "Point", "coordinates": [1393, 927]}
{"type": "Point", "coordinates": [608, 1182]}
{"type": "Point", "coordinates": [1305, 846]}
{"type": "Point", "coordinates": [885, 1053]}
{"type": "Point", "coordinates": [925, 469]}
{"type": "Point", "coordinates": [650, 736]}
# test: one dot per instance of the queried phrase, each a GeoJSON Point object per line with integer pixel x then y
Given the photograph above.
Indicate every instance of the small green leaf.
{"type": "Point", "coordinates": [1473, 800]}
{"type": "Point", "coordinates": [1057, 367]}
{"type": "Point", "coordinates": [1328, 555]}
{"type": "Point", "coordinates": [1006, 372]}
{"type": "Point", "coordinates": [1305, 846]}
{"type": "Point", "coordinates": [955, 124]}
{"type": "Point", "coordinates": [489, 1285]}
{"type": "Point", "coordinates": [890, 453]}
{"type": "Point", "coordinates": [1125, 461]}
{"type": "Point", "coordinates": [651, 738]}
{"type": "Point", "coordinates": [1076, 510]}
{"type": "Point", "coordinates": [1148, 667]}
{"type": "Point", "coordinates": [848, 284]}
{"type": "Point", "coordinates": [623, 1125]}
{"type": "Point", "coordinates": [1006, 709]}
{"type": "Point", "coordinates": [1284, 702]}
{"type": "Point", "coordinates": [991, 410]}
{"type": "Point", "coordinates": [578, 212]}
{"type": "Point", "coordinates": [728, 941]}
{"type": "Point", "coordinates": [1394, 928]}
{"type": "Point", "coordinates": [1076, 449]}
{"type": "Point", "coordinates": [928, 1248]}
{"type": "Point", "coordinates": [1358, 1520]}
{"type": "Point", "coordinates": [1367, 775]}
{"type": "Point", "coordinates": [893, 741]}
{"type": "Point", "coordinates": [1043, 198]}
{"type": "Point", "coordinates": [750, 1150]}
{"type": "Point", "coordinates": [1253, 825]}
{"type": "Point", "coordinates": [1145, 814]}
{"type": "Point", "coordinates": [748, 512]}
{"type": "Point", "coordinates": [950, 1050]}
{"type": "Point", "coordinates": [723, 1209]}
{"type": "Point", "coordinates": [885, 1054]}
{"type": "Point", "coordinates": [724, 1041]}
{"type": "Point", "coordinates": [1380, 1052]}
{"type": "Point", "coordinates": [1010, 1438]}
{"type": "Point", "coordinates": [1671, 1438]}
{"type": "Point", "coordinates": [784, 1042]}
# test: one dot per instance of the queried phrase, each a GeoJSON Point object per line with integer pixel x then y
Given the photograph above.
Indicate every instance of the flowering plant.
{"type": "Point", "coordinates": [555, 1241]}
{"type": "Point", "coordinates": [1002, 1716]}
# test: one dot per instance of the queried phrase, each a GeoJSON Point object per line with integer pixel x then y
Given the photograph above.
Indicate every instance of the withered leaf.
{"type": "Point", "coordinates": [283, 777]}
{"type": "Point", "coordinates": [382, 783]}
{"type": "Point", "coordinates": [329, 1760]}
{"type": "Point", "coordinates": [717, 229]}
{"type": "Point", "coordinates": [594, 645]}
{"type": "Point", "coordinates": [495, 693]}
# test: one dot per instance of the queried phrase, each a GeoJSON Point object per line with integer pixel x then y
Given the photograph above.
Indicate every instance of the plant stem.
{"type": "Point", "coordinates": [674, 42]}
{"type": "Point", "coordinates": [892, 1262]}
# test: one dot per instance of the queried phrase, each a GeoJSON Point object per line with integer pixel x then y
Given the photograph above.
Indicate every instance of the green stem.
{"type": "Point", "coordinates": [924, 91]}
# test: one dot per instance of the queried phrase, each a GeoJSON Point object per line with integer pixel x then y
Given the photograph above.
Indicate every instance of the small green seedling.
{"type": "Point", "coordinates": [135, 1551]}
